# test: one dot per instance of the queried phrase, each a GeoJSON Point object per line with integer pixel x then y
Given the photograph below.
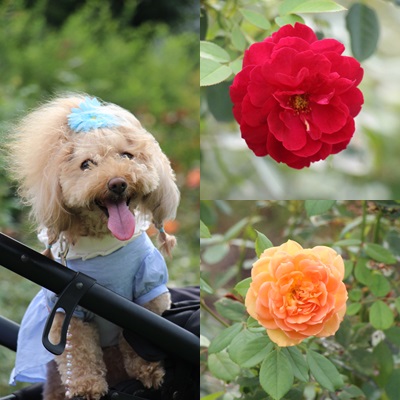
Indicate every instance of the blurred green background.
{"type": "Point", "coordinates": [141, 55]}
{"type": "Point", "coordinates": [367, 169]}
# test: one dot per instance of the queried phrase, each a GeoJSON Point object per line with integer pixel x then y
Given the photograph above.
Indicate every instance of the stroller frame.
{"type": "Point", "coordinates": [169, 337]}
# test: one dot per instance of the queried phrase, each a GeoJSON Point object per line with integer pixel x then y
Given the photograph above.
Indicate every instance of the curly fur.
{"type": "Point", "coordinates": [46, 158]}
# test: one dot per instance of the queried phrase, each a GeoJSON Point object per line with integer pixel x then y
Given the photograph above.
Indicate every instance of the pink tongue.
{"type": "Point", "coordinates": [121, 221]}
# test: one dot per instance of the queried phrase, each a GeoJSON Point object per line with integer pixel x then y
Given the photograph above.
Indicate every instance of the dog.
{"type": "Point", "coordinates": [94, 179]}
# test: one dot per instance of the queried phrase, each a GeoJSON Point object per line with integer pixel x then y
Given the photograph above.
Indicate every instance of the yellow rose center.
{"type": "Point", "coordinates": [299, 103]}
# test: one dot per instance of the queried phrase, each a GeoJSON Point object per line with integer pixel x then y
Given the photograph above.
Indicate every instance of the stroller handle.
{"type": "Point", "coordinates": [32, 265]}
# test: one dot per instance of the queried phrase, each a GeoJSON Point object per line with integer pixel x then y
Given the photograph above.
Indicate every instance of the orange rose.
{"type": "Point", "coordinates": [296, 293]}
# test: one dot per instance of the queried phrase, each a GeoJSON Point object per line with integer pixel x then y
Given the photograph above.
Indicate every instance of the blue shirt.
{"type": "Point", "coordinates": [136, 271]}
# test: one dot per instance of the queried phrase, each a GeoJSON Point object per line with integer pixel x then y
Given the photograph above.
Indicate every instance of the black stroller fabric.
{"type": "Point", "coordinates": [182, 381]}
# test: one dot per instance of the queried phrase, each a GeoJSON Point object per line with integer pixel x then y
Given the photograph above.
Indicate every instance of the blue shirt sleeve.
{"type": "Point", "coordinates": [151, 278]}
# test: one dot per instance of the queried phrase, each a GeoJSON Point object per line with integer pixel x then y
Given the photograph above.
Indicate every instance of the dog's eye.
{"type": "Point", "coordinates": [129, 156]}
{"type": "Point", "coordinates": [86, 164]}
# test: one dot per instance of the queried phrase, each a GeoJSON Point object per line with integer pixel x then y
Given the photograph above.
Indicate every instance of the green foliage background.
{"type": "Point", "coordinates": [360, 361]}
{"type": "Point", "coordinates": [368, 167]}
{"type": "Point", "coordinates": [149, 69]}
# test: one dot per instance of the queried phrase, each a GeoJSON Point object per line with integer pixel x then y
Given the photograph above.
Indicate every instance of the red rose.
{"type": "Point", "coordinates": [296, 97]}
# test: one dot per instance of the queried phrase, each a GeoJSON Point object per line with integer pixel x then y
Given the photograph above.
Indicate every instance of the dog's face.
{"type": "Point", "coordinates": [106, 176]}
{"type": "Point", "coordinates": [91, 182]}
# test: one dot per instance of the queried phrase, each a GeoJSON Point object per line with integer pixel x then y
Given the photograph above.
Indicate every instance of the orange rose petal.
{"type": "Point", "coordinates": [281, 339]}
{"type": "Point", "coordinates": [250, 303]}
{"type": "Point", "coordinates": [267, 323]}
{"type": "Point", "coordinates": [291, 247]}
{"type": "Point", "coordinates": [297, 293]}
{"type": "Point", "coordinates": [339, 266]}
{"type": "Point", "coordinates": [261, 265]}
{"type": "Point", "coordinates": [341, 296]}
{"type": "Point", "coordinates": [330, 326]}
{"type": "Point", "coordinates": [325, 254]}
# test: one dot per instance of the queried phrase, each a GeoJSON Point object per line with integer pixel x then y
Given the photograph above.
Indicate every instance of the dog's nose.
{"type": "Point", "coordinates": [117, 185]}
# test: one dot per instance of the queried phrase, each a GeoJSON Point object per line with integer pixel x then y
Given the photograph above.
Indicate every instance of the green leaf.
{"type": "Point", "coordinates": [380, 315]}
{"type": "Point", "coordinates": [299, 364]}
{"type": "Point", "coordinates": [205, 287]}
{"type": "Point", "coordinates": [255, 18]}
{"type": "Point", "coordinates": [213, 52]}
{"type": "Point", "coordinates": [289, 19]}
{"type": "Point", "coordinates": [219, 102]}
{"type": "Point", "coordinates": [215, 253]}
{"type": "Point", "coordinates": [254, 326]}
{"type": "Point", "coordinates": [248, 353]}
{"type": "Point", "coordinates": [352, 392]}
{"type": "Point", "coordinates": [348, 268]}
{"type": "Point", "coordinates": [362, 360]}
{"type": "Point", "coordinates": [204, 342]}
{"type": "Point", "coordinates": [213, 396]}
{"type": "Point", "coordinates": [224, 338]}
{"type": "Point", "coordinates": [222, 367]}
{"type": "Point", "coordinates": [212, 72]}
{"type": "Point", "coordinates": [353, 309]}
{"type": "Point", "coordinates": [324, 372]}
{"type": "Point", "coordinates": [236, 65]}
{"type": "Point", "coordinates": [392, 387]}
{"type": "Point", "coordinates": [238, 39]}
{"type": "Point", "coordinates": [276, 374]}
{"type": "Point", "coordinates": [348, 243]}
{"type": "Point", "coordinates": [393, 335]}
{"type": "Point", "coordinates": [344, 334]}
{"type": "Point", "coordinates": [379, 253]}
{"type": "Point", "coordinates": [234, 230]}
{"type": "Point", "coordinates": [243, 286]}
{"type": "Point", "coordinates": [231, 309]}
{"type": "Point", "coordinates": [397, 304]}
{"type": "Point", "coordinates": [363, 26]}
{"type": "Point", "coordinates": [378, 284]}
{"type": "Point", "coordinates": [355, 294]}
{"type": "Point", "coordinates": [361, 272]}
{"type": "Point", "coordinates": [204, 231]}
{"type": "Point", "coordinates": [384, 361]}
{"type": "Point", "coordinates": [262, 243]}
{"type": "Point", "coordinates": [317, 207]}
{"type": "Point", "coordinates": [309, 6]}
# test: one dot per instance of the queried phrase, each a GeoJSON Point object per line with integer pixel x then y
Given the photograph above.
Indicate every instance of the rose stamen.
{"type": "Point", "coordinates": [299, 103]}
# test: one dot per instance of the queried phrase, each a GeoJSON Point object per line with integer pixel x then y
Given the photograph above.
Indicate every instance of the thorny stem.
{"type": "Point", "coordinates": [205, 307]}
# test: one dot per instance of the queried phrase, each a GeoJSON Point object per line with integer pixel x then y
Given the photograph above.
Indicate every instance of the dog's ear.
{"type": "Point", "coordinates": [164, 200]}
{"type": "Point", "coordinates": [43, 193]}
{"type": "Point", "coordinates": [36, 150]}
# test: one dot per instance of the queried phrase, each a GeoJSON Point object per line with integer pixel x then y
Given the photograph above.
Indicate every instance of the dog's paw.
{"type": "Point", "coordinates": [151, 375]}
{"type": "Point", "coordinates": [87, 390]}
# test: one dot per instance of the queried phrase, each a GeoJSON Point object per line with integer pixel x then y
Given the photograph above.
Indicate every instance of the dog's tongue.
{"type": "Point", "coordinates": [121, 221]}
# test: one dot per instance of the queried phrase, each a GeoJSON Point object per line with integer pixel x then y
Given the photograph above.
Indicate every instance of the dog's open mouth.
{"type": "Point", "coordinates": [121, 220]}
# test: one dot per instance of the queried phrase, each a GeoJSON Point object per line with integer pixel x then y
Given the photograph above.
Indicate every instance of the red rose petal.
{"type": "Point", "coordinates": [329, 118]}
{"type": "Point", "coordinates": [296, 97]}
{"type": "Point", "coordinates": [325, 45]}
{"type": "Point", "coordinates": [258, 53]}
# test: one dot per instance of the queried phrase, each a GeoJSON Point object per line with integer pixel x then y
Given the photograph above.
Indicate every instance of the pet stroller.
{"type": "Point", "coordinates": [172, 337]}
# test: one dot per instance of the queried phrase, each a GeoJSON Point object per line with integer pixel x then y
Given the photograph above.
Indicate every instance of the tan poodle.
{"type": "Point", "coordinates": [95, 179]}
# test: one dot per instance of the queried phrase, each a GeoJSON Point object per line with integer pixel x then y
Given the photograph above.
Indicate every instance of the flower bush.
{"type": "Point", "coordinates": [296, 96]}
{"type": "Point", "coordinates": [296, 293]}
{"type": "Point", "coordinates": [318, 321]}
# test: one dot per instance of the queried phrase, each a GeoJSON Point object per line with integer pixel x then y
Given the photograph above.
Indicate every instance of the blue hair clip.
{"type": "Point", "coordinates": [89, 115]}
{"type": "Point", "coordinates": [161, 230]}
